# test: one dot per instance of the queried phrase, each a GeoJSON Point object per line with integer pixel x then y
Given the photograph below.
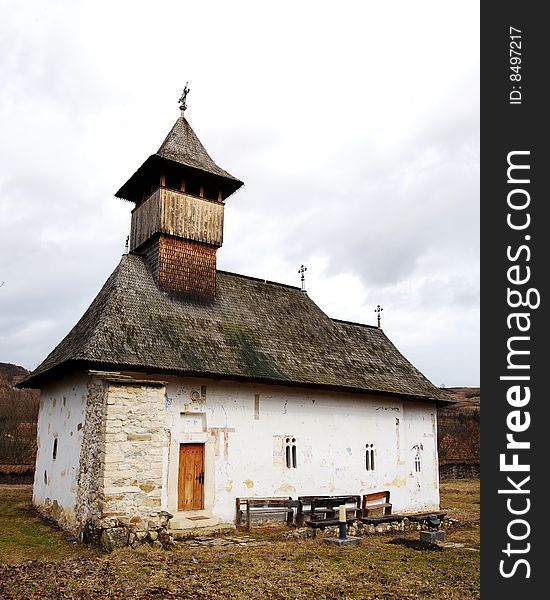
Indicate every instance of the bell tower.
{"type": "Point", "coordinates": [177, 223]}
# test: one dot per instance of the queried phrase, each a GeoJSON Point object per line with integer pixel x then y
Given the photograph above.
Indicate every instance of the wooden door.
{"type": "Point", "coordinates": [191, 477]}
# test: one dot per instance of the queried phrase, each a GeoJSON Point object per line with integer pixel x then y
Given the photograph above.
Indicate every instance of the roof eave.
{"type": "Point", "coordinates": [127, 191]}
{"type": "Point", "coordinates": [36, 381]}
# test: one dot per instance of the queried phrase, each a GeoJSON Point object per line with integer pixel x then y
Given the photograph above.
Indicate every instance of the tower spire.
{"type": "Point", "coordinates": [183, 100]}
{"type": "Point", "coordinates": [177, 224]}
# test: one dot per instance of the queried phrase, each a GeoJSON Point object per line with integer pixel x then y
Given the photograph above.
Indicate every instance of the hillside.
{"type": "Point", "coordinates": [458, 426]}
{"type": "Point", "coordinates": [467, 397]}
{"type": "Point", "coordinates": [11, 374]}
{"type": "Point", "coordinates": [18, 416]}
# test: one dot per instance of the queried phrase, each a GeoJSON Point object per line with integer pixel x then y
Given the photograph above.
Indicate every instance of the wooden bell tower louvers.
{"type": "Point", "coordinates": [177, 223]}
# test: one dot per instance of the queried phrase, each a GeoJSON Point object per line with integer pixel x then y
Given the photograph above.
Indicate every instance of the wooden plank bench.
{"type": "Point", "coordinates": [271, 507]}
{"type": "Point", "coordinates": [375, 502]}
{"type": "Point", "coordinates": [382, 519]}
{"type": "Point", "coordinates": [416, 518]}
{"type": "Point", "coordinates": [421, 517]}
{"type": "Point", "coordinates": [321, 511]}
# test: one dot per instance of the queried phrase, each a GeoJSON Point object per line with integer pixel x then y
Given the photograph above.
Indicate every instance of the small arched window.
{"type": "Point", "coordinates": [417, 463]}
{"type": "Point", "coordinates": [290, 453]}
{"type": "Point", "coordinates": [369, 457]}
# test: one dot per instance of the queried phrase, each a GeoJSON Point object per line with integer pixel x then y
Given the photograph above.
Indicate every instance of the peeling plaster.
{"type": "Point", "coordinates": [241, 448]}
{"type": "Point", "coordinates": [55, 489]}
{"type": "Point", "coordinates": [398, 481]}
{"type": "Point", "coordinates": [285, 487]}
{"type": "Point", "coordinates": [215, 434]}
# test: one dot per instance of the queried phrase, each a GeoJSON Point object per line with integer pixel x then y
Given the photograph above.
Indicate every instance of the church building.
{"type": "Point", "coordinates": [184, 387]}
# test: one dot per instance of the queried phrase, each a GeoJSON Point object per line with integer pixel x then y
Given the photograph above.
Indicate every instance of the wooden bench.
{"type": "Point", "coordinates": [376, 503]}
{"type": "Point", "coordinates": [376, 520]}
{"type": "Point", "coordinates": [270, 507]}
{"type": "Point", "coordinates": [390, 518]}
{"type": "Point", "coordinates": [321, 511]}
{"type": "Point", "coordinates": [421, 517]}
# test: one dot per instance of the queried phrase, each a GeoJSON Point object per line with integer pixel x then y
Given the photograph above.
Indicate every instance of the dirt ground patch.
{"type": "Point", "coordinates": [44, 565]}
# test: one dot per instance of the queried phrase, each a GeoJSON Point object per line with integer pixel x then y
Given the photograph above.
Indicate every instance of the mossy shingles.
{"type": "Point", "coordinates": [170, 334]}
{"type": "Point", "coordinates": [253, 328]}
{"type": "Point", "coordinates": [253, 363]}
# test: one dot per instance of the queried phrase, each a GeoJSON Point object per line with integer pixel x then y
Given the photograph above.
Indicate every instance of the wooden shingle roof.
{"type": "Point", "coordinates": [254, 330]}
{"type": "Point", "coordinates": [181, 150]}
{"type": "Point", "coordinates": [183, 146]}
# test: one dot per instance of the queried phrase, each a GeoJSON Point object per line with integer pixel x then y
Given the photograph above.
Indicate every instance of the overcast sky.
{"type": "Point", "coordinates": [354, 125]}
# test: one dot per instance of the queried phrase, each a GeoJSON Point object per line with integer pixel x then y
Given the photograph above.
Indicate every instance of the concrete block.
{"type": "Point", "coordinates": [431, 537]}
{"type": "Point", "coordinates": [348, 541]}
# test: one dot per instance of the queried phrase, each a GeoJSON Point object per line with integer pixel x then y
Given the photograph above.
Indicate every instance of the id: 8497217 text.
{"type": "Point", "coordinates": [515, 96]}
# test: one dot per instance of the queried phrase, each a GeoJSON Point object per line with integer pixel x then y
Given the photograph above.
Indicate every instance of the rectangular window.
{"type": "Point", "coordinates": [257, 407]}
{"type": "Point", "coordinates": [54, 453]}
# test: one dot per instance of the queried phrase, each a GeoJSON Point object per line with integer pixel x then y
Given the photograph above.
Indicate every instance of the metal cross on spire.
{"type": "Point", "coordinates": [378, 310]}
{"type": "Point", "coordinates": [302, 270]}
{"type": "Point", "coordinates": [183, 99]}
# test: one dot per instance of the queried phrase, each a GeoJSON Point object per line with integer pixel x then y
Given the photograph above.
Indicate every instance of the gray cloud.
{"type": "Point", "coordinates": [355, 162]}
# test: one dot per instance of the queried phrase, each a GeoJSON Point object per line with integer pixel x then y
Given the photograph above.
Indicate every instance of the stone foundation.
{"type": "Point", "coordinates": [358, 528]}
{"type": "Point", "coordinates": [120, 532]}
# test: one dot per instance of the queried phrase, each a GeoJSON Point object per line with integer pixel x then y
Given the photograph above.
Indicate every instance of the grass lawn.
{"type": "Point", "coordinates": [37, 562]}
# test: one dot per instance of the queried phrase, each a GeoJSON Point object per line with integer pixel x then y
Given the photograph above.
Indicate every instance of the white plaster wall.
{"type": "Point", "coordinates": [420, 437]}
{"type": "Point", "coordinates": [244, 456]}
{"type": "Point", "coordinates": [61, 416]}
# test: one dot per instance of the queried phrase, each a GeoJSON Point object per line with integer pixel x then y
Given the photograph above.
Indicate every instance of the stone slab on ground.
{"type": "Point", "coordinates": [194, 532]}
{"type": "Point", "coordinates": [202, 541]}
{"type": "Point", "coordinates": [347, 541]}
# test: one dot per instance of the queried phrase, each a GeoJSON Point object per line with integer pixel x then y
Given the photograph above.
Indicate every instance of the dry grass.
{"type": "Point", "coordinates": [16, 469]}
{"type": "Point", "coordinates": [383, 567]}
{"type": "Point", "coordinates": [460, 499]}
{"type": "Point", "coordinates": [26, 536]}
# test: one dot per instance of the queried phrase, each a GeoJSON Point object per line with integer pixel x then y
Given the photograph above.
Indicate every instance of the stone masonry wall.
{"type": "Point", "coordinates": [135, 437]}
{"type": "Point", "coordinates": [90, 490]}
